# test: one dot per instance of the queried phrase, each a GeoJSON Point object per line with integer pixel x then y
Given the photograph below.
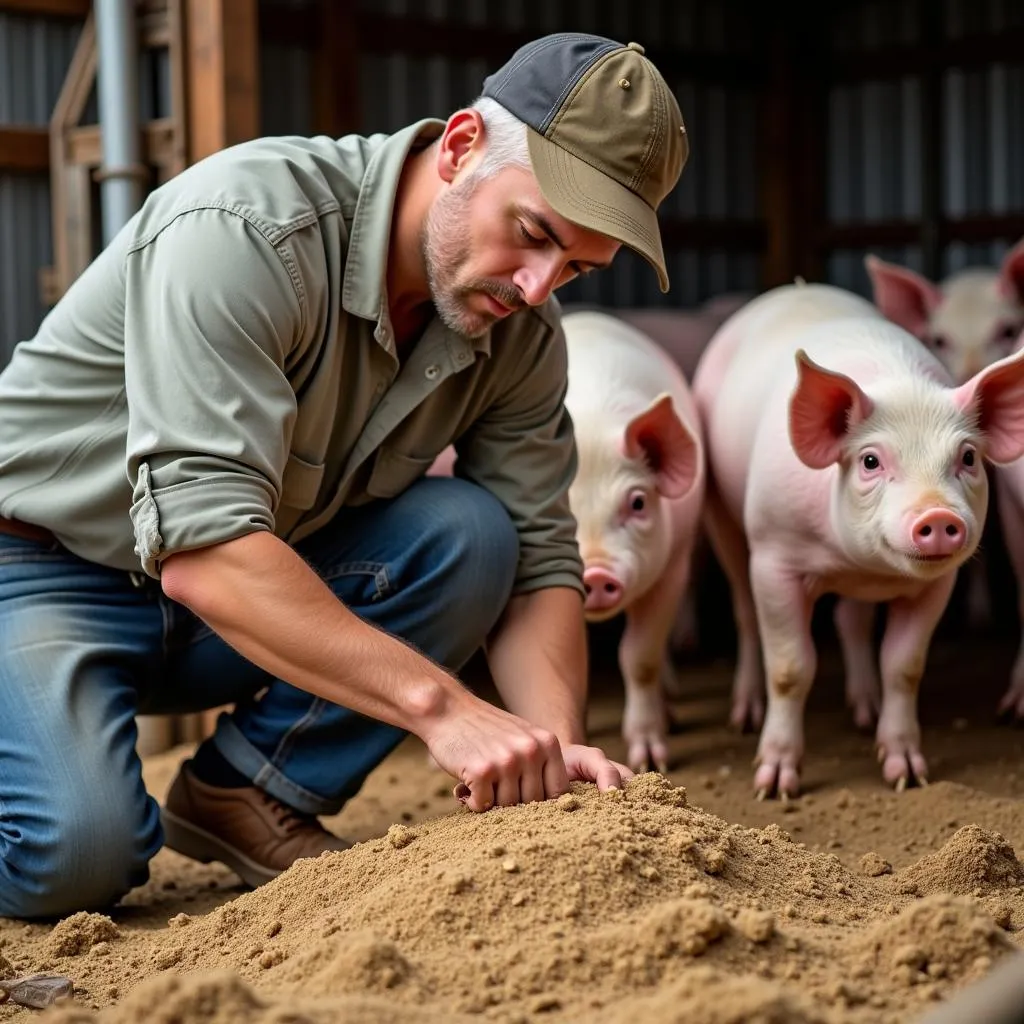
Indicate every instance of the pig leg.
{"type": "Point", "coordinates": [790, 661]}
{"type": "Point", "coordinates": [730, 546]}
{"type": "Point", "coordinates": [854, 621]}
{"type": "Point", "coordinates": [643, 660]}
{"type": "Point", "coordinates": [908, 632]}
{"type": "Point", "coordinates": [1011, 514]}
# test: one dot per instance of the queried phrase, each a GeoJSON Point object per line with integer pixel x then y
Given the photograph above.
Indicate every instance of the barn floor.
{"type": "Point", "coordinates": [643, 905]}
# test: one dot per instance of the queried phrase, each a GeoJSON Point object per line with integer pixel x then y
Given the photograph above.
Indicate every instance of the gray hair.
{"type": "Point", "coordinates": [506, 138]}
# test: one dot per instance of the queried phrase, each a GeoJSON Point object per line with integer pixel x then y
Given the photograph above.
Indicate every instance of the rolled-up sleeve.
{"type": "Point", "coordinates": [211, 312]}
{"type": "Point", "coordinates": [522, 450]}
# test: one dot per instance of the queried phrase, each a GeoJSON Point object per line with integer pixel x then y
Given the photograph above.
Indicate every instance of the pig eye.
{"type": "Point", "coordinates": [870, 461]}
{"type": "Point", "coordinates": [938, 342]}
{"type": "Point", "coordinates": [637, 501]}
{"type": "Point", "coordinates": [1008, 333]}
{"type": "Point", "coordinates": [968, 458]}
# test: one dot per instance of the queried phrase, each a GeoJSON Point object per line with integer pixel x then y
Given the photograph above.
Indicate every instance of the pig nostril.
{"type": "Point", "coordinates": [610, 588]}
{"type": "Point", "coordinates": [587, 587]}
{"type": "Point", "coordinates": [951, 530]}
{"type": "Point", "coordinates": [926, 531]}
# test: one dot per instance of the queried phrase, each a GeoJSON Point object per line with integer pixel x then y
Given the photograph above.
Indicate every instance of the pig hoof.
{"type": "Point", "coordinates": [903, 768]}
{"type": "Point", "coordinates": [781, 779]}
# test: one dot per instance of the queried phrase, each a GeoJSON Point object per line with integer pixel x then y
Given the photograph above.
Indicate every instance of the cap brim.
{"type": "Point", "coordinates": [585, 196]}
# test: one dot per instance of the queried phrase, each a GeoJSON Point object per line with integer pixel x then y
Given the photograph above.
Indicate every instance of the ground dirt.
{"type": "Point", "coordinates": [677, 899]}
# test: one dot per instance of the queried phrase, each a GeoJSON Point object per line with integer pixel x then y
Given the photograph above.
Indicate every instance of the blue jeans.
{"type": "Point", "coordinates": [83, 648]}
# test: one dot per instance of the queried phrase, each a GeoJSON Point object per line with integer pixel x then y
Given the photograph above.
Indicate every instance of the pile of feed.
{"type": "Point", "coordinates": [633, 903]}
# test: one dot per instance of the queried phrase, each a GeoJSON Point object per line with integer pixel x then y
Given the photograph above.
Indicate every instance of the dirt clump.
{"type": "Point", "coordinates": [973, 861]}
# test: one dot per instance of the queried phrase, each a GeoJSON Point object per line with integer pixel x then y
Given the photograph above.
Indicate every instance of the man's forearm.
{"type": "Point", "coordinates": [537, 655]}
{"type": "Point", "coordinates": [265, 601]}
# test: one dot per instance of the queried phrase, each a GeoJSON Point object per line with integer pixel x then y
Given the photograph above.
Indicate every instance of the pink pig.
{"type": "Point", "coordinates": [841, 459]}
{"type": "Point", "coordinates": [637, 498]}
{"type": "Point", "coordinates": [969, 320]}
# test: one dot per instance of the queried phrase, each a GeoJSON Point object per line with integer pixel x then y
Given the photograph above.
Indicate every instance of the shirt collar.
{"type": "Point", "coordinates": [363, 289]}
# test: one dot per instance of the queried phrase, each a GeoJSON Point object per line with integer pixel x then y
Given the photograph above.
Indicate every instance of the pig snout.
{"type": "Point", "coordinates": [603, 589]}
{"type": "Point", "coordinates": [938, 533]}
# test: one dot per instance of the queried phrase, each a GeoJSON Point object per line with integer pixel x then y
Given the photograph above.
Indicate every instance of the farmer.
{"type": "Point", "coordinates": [212, 478]}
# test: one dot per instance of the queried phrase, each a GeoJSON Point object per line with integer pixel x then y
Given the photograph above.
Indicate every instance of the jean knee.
{"type": "Point", "coordinates": [82, 854]}
{"type": "Point", "coordinates": [485, 545]}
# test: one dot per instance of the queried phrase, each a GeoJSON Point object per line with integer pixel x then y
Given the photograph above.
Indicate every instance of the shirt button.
{"type": "Point", "coordinates": [461, 357]}
{"type": "Point", "coordinates": [432, 371]}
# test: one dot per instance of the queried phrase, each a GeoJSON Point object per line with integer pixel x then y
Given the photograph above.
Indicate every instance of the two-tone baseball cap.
{"type": "Point", "coordinates": [606, 138]}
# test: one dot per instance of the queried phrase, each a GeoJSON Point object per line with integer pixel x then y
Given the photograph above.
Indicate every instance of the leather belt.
{"type": "Point", "coordinates": [28, 531]}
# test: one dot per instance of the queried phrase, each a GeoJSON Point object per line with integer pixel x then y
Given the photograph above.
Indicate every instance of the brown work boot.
{"type": "Point", "coordinates": [247, 829]}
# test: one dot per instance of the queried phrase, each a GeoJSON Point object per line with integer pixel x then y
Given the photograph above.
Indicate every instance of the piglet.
{"type": "Point", "coordinates": [969, 320]}
{"type": "Point", "coordinates": [842, 459]}
{"type": "Point", "coordinates": [637, 499]}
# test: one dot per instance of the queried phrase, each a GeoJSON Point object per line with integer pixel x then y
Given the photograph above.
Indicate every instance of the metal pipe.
{"type": "Point", "coordinates": [117, 86]}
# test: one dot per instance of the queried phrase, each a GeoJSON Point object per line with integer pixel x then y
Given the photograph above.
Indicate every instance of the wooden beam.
{"type": "Point", "coordinates": [969, 52]}
{"type": "Point", "coordinates": [865, 235]}
{"type": "Point", "coordinates": [427, 37]}
{"type": "Point", "coordinates": [85, 143]}
{"type": "Point", "coordinates": [727, 235]}
{"type": "Point", "coordinates": [24, 149]}
{"type": "Point", "coordinates": [223, 74]}
{"type": "Point", "coordinates": [47, 8]}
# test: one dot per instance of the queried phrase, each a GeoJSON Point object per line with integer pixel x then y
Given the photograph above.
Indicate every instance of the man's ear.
{"type": "Point", "coordinates": [460, 143]}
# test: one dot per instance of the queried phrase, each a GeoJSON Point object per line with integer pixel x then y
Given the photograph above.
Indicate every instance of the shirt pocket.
{"type": "Point", "coordinates": [300, 483]}
{"type": "Point", "coordinates": [393, 471]}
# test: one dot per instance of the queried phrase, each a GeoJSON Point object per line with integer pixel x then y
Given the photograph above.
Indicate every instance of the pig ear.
{"type": "Point", "coordinates": [661, 438]}
{"type": "Point", "coordinates": [823, 407]}
{"type": "Point", "coordinates": [1011, 274]}
{"type": "Point", "coordinates": [904, 297]}
{"type": "Point", "coordinates": [997, 395]}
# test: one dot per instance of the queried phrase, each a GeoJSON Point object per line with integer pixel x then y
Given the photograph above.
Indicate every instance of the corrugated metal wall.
{"type": "Point", "coordinates": [34, 55]}
{"type": "Point", "coordinates": [720, 179]}
{"type": "Point", "coordinates": [874, 142]}
{"type": "Point", "coordinates": [875, 159]}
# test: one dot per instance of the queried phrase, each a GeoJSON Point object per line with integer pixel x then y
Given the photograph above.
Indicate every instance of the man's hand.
{"type": "Point", "coordinates": [498, 758]}
{"type": "Point", "coordinates": [589, 764]}
{"type": "Point", "coordinates": [503, 760]}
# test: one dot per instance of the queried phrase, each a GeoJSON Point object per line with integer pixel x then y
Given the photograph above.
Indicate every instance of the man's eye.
{"type": "Point", "coordinates": [526, 234]}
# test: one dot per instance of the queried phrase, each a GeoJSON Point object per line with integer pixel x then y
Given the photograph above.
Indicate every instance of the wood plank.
{"type": "Point", "coordinates": [24, 149]}
{"type": "Point", "coordinates": [222, 70]}
{"type": "Point", "coordinates": [47, 8]}
{"type": "Point", "coordinates": [85, 144]}
{"type": "Point", "coordinates": [428, 37]}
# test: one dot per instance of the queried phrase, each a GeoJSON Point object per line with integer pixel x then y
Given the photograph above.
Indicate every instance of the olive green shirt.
{"type": "Point", "coordinates": [226, 365]}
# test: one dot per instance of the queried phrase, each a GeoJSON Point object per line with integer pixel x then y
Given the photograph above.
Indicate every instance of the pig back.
{"type": "Point", "coordinates": [747, 372]}
{"type": "Point", "coordinates": [615, 371]}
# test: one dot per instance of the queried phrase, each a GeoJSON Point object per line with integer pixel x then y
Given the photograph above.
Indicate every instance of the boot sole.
{"type": "Point", "coordinates": [191, 841]}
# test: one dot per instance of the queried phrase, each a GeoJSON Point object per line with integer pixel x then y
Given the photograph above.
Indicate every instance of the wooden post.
{"type": "Point", "coordinates": [792, 138]}
{"type": "Point", "coordinates": [222, 74]}
{"type": "Point", "coordinates": [777, 142]}
{"type": "Point", "coordinates": [336, 70]}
